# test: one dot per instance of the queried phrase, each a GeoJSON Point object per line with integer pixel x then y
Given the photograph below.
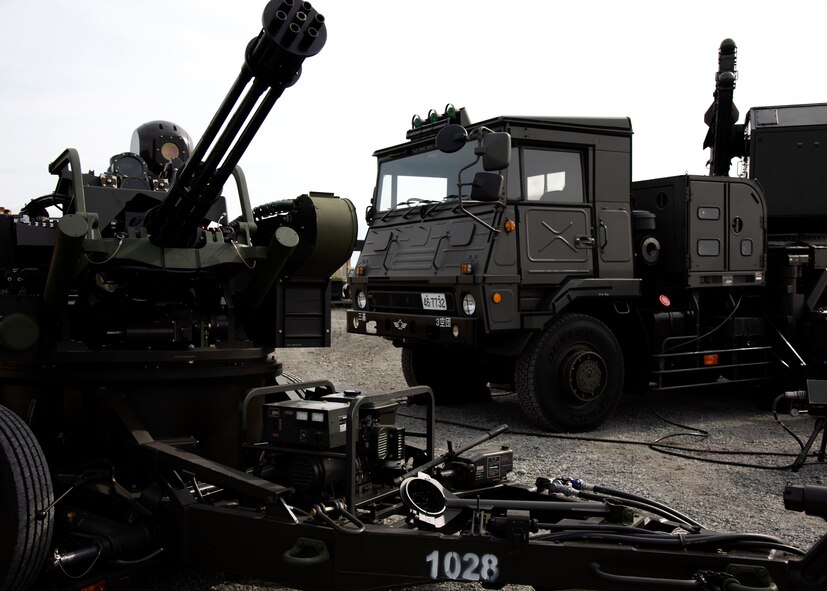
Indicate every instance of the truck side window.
{"type": "Point", "coordinates": [553, 176]}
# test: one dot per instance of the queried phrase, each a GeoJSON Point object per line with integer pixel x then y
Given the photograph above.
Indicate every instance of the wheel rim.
{"type": "Point", "coordinates": [584, 375]}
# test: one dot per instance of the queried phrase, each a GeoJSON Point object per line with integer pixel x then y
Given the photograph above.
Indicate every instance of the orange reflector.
{"type": "Point", "coordinates": [509, 226]}
{"type": "Point", "coordinates": [711, 359]}
{"type": "Point", "coordinates": [467, 268]}
{"type": "Point", "coordinates": [360, 270]}
{"type": "Point", "coordinates": [497, 298]}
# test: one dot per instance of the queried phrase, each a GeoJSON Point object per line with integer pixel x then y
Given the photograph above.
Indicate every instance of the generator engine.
{"type": "Point", "coordinates": [308, 447]}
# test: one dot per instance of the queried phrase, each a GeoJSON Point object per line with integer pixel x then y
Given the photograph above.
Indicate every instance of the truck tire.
{"type": "Point", "coordinates": [25, 489]}
{"type": "Point", "coordinates": [451, 374]}
{"type": "Point", "coordinates": [570, 375]}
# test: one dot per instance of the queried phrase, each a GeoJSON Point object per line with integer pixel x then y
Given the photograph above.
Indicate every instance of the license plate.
{"type": "Point", "coordinates": [434, 301]}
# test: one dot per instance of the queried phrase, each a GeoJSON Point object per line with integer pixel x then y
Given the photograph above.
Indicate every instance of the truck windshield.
{"type": "Point", "coordinates": [427, 176]}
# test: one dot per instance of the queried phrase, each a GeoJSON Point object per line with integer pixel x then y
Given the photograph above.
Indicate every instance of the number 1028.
{"type": "Point", "coordinates": [465, 567]}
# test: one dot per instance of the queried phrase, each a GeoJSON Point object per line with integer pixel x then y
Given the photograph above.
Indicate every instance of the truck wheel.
{"type": "Point", "coordinates": [570, 376]}
{"type": "Point", "coordinates": [451, 374]}
{"type": "Point", "coordinates": [25, 488]}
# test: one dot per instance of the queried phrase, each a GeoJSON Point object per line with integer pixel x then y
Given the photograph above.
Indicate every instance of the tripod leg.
{"type": "Point", "coordinates": [823, 447]}
{"type": "Point", "coordinates": [802, 457]}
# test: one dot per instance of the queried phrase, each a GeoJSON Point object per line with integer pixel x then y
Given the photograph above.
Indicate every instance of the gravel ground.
{"type": "Point", "coordinates": [722, 497]}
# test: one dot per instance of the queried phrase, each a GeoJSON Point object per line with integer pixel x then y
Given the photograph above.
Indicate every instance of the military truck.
{"type": "Point", "coordinates": [540, 265]}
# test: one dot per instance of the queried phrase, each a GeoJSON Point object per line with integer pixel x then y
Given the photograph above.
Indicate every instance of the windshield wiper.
{"type": "Point", "coordinates": [426, 213]}
{"type": "Point", "coordinates": [409, 203]}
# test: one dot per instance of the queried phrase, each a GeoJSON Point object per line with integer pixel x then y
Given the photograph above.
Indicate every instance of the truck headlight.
{"type": "Point", "coordinates": [361, 300]}
{"type": "Point", "coordinates": [469, 304]}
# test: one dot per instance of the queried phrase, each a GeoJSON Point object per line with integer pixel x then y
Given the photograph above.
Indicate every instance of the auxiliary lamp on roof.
{"type": "Point", "coordinates": [450, 112]}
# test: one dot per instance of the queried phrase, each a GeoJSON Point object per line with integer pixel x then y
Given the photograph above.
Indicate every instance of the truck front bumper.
{"type": "Point", "coordinates": [415, 327]}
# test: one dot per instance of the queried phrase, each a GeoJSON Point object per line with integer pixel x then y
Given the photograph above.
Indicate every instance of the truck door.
{"type": "Point", "coordinates": [746, 228]}
{"type": "Point", "coordinates": [556, 236]}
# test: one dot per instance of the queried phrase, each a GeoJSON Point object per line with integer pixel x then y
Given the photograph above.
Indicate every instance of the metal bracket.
{"type": "Point", "coordinates": [517, 527]}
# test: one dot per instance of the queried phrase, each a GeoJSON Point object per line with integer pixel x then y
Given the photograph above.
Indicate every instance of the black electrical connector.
{"type": "Point", "coordinates": [809, 498]}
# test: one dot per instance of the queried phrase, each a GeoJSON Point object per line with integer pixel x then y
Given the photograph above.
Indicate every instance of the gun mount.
{"type": "Point", "coordinates": [141, 282]}
{"type": "Point", "coordinates": [139, 292]}
{"type": "Point", "coordinates": [141, 258]}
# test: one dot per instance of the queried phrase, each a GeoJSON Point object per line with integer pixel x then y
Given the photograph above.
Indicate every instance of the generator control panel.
{"type": "Point", "coordinates": [319, 424]}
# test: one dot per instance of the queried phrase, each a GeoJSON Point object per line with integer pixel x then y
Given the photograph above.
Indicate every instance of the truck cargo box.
{"type": "Point", "coordinates": [711, 230]}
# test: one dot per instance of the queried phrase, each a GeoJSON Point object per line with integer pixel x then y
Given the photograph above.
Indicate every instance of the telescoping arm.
{"type": "Point", "coordinates": [292, 31]}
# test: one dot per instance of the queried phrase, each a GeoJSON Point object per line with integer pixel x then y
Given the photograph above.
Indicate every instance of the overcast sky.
{"type": "Point", "coordinates": [86, 73]}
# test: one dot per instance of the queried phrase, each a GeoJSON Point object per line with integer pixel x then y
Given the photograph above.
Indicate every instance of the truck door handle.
{"type": "Point", "coordinates": [584, 241]}
{"type": "Point", "coordinates": [605, 233]}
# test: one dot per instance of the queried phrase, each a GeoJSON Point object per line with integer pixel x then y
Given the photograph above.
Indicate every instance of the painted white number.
{"type": "Point", "coordinates": [490, 572]}
{"type": "Point", "coordinates": [472, 563]}
{"type": "Point", "coordinates": [468, 567]}
{"type": "Point", "coordinates": [451, 564]}
{"type": "Point", "coordinates": [433, 558]}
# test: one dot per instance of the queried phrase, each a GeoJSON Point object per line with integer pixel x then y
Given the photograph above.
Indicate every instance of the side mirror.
{"type": "Point", "coordinates": [496, 150]}
{"type": "Point", "coordinates": [370, 210]}
{"type": "Point", "coordinates": [486, 186]}
{"type": "Point", "coordinates": [451, 138]}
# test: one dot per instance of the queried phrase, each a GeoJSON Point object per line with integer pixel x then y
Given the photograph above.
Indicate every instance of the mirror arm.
{"type": "Point", "coordinates": [476, 219]}
{"type": "Point", "coordinates": [459, 192]}
{"type": "Point", "coordinates": [459, 176]}
{"type": "Point", "coordinates": [370, 211]}
{"type": "Point", "coordinates": [480, 131]}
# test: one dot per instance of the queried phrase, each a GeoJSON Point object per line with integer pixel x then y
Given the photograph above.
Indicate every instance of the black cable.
{"type": "Point", "coordinates": [777, 420]}
{"type": "Point", "coordinates": [146, 558]}
{"type": "Point", "coordinates": [709, 332]}
{"type": "Point", "coordinates": [602, 439]}
{"type": "Point", "coordinates": [673, 450]}
{"type": "Point", "coordinates": [728, 452]}
{"type": "Point", "coordinates": [655, 446]}
{"type": "Point", "coordinates": [681, 541]}
{"type": "Point", "coordinates": [61, 202]}
{"type": "Point", "coordinates": [531, 433]}
{"type": "Point", "coordinates": [632, 497]}
{"type": "Point", "coordinates": [599, 527]}
{"type": "Point", "coordinates": [698, 431]}
{"type": "Point", "coordinates": [641, 503]}
{"type": "Point", "coordinates": [666, 451]}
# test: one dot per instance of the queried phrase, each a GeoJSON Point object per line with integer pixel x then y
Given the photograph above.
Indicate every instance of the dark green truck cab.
{"type": "Point", "coordinates": [463, 283]}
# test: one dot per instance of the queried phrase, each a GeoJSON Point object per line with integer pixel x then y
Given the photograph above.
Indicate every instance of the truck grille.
{"type": "Point", "coordinates": [408, 301]}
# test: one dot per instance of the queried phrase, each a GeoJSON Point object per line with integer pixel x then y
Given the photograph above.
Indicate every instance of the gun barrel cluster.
{"type": "Point", "coordinates": [292, 31]}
